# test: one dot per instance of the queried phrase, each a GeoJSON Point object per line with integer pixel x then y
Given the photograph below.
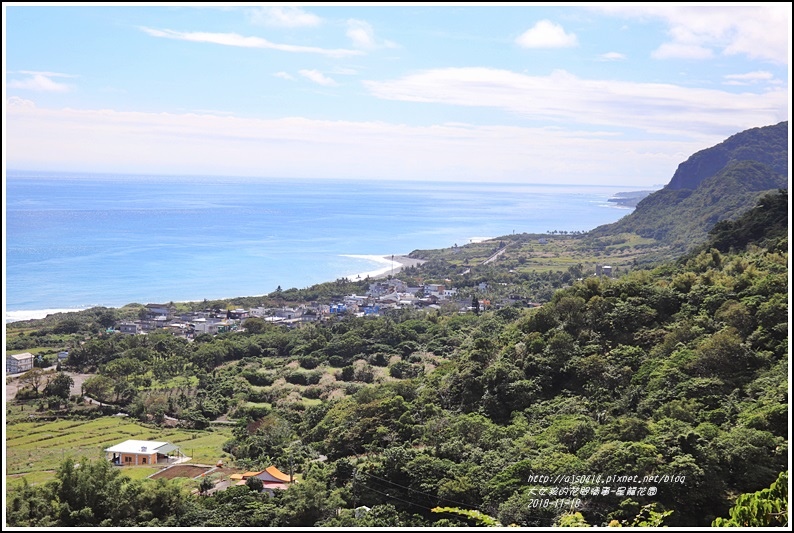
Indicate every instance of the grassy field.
{"type": "Point", "coordinates": [535, 253]}
{"type": "Point", "coordinates": [34, 450]}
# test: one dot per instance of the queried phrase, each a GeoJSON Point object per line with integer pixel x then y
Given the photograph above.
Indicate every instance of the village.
{"type": "Point", "coordinates": [382, 296]}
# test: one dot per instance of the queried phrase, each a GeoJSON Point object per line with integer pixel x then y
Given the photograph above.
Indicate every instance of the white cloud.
{"type": "Point", "coordinates": [233, 39]}
{"type": "Point", "coordinates": [681, 51]}
{"type": "Point", "coordinates": [612, 56]}
{"type": "Point", "coordinates": [749, 78]}
{"type": "Point", "coordinates": [17, 102]}
{"type": "Point", "coordinates": [546, 34]}
{"type": "Point", "coordinates": [761, 31]}
{"type": "Point", "coordinates": [563, 97]}
{"type": "Point", "coordinates": [41, 82]}
{"type": "Point", "coordinates": [361, 33]}
{"type": "Point", "coordinates": [283, 17]}
{"type": "Point", "coordinates": [317, 77]}
{"type": "Point", "coordinates": [284, 76]}
{"type": "Point", "coordinates": [135, 142]}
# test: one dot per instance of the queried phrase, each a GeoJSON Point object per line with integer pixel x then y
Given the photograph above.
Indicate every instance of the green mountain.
{"type": "Point", "coordinates": [719, 183]}
{"type": "Point", "coordinates": [765, 225]}
{"type": "Point", "coordinates": [767, 145]}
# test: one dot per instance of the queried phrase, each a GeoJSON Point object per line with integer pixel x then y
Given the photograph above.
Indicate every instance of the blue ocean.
{"type": "Point", "coordinates": [75, 241]}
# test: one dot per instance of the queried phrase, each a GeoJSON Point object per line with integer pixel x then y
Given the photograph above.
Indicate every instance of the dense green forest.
{"type": "Point", "coordinates": [666, 386]}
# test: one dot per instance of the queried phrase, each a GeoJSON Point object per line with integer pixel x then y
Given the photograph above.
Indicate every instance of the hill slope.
{"type": "Point", "coordinates": [719, 183]}
{"type": "Point", "coordinates": [767, 145]}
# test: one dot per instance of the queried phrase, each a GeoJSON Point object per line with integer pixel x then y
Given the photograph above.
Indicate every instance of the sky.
{"type": "Point", "coordinates": [616, 94]}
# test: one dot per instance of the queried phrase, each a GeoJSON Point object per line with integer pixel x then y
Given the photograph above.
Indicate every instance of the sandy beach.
{"type": "Point", "coordinates": [391, 265]}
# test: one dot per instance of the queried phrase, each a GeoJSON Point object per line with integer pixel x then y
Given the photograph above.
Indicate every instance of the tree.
{"type": "Point", "coordinates": [478, 517]}
{"type": "Point", "coordinates": [572, 520]}
{"type": "Point", "coordinates": [33, 377]}
{"type": "Point", "coordinates": [207, 484]}
{"type": "Point", "coordinates": [60, 387]}
{"type": "Point", "coordinates": [254, 483]}
{"type": "Point", "coordinates": [306, 503]}
{"type": "Point", "coordinates": [254, 325]}
{"type": "Point", "coordinates": [475, 305]}
{"type": "Point", "coordinates": [767, 507]}
{"type": "Point", "coordinates": [99, 387]}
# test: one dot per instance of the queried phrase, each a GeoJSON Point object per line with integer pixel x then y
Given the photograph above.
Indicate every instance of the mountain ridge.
{"type": "Point", "coordinates": [715, 184]}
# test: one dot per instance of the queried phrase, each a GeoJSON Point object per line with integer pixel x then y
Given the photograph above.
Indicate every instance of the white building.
{"type": "Point", "coordinates": [143, 452]}
{"type": "Point", "coordinates": [21, 362]}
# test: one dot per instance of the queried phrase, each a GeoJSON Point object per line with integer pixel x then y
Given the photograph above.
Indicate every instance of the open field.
{"type": "Point", "coordinates": [189, 471]}
{"type": "Point", "coordinates": [36, 449]}
{"type": "Point", "coordinates": [548, 252]}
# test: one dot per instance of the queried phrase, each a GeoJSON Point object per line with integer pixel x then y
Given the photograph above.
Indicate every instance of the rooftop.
{"type": "Point", "coordinates": [139, 446]}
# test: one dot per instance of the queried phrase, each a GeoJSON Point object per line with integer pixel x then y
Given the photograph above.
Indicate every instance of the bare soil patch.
{"type": "Point", "coordinates": [190, 471]}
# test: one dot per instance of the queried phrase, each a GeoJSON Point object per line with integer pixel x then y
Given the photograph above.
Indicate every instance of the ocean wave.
{"type": "Point", "coordinates": [16, 316]}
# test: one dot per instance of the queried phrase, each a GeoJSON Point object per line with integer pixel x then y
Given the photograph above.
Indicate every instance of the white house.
{"type": "Point", "coordinates": [143, 452]}
{"type": "Point", "coordinates": [21, 362]}
{"type": "Point", "coordinates": [450, 293]}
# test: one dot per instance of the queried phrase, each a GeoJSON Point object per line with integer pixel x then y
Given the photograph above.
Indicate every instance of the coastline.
{"type": "Point", "coordinates": [391, 264]}
{"type": "Point", "coordinates": [19, 316]}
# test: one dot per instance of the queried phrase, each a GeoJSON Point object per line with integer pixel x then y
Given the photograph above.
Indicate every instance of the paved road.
{"type": "Point", "coordinates": [494, 256]}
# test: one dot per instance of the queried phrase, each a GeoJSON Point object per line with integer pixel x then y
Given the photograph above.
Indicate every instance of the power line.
{"type": "Point", "coordinates": [409, 503]}
{"type": "Point", "coordinates": [466, 505]}
{"type": "Point", "coordinates": [417, 491]}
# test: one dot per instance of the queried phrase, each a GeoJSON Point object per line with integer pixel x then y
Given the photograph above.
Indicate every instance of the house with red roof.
{"type": "Point", "coordinates": [272, 478]}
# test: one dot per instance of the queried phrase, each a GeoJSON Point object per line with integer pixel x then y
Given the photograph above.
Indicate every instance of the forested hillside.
{"type": "Point", "coordinates": [662, 393]}
{"type": "Point", "coordinates": [767, 145]}
{"type": "Point", "coordinates": [719, 183]}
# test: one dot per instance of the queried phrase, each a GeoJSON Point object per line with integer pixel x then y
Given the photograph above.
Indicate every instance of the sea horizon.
{"type": "Point", "coordinates": [80, 240]}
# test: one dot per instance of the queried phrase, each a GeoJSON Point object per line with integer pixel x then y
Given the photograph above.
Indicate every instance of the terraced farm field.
{"type": "Point", "coordinates": [35, 449]}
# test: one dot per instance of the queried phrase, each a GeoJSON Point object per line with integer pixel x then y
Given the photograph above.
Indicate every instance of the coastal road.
{"type": "Point", "coordinates": [494, 256]}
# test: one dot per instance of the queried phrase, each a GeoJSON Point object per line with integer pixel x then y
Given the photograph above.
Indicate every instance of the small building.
{"type": "Point", "coordinates": [604, 270]}
{"type": "Point", "coordinates": [165, 310]}
{"type": "Point", "coordinates": [129, 328]}
{"type": "Point", "coordinates": [20, 362]}
{"type": "Point", "coordinates": [271, 474]}
{"type": "Point", "coordinates": [272, 479]}
{"type": "Point", "coordinates": [238, 314]}
{"type": "Point", "coordinates": [337, 309]}
{"type": "Point", "coordinates": [450, 293]}
{"type": "Point", "coordinates": [143, 452]}
{"type": "Point", "coordinates": [433, 288]}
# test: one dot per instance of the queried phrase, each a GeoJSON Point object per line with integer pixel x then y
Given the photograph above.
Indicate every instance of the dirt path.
{"type": "Point", "coordinates": [13, 384]}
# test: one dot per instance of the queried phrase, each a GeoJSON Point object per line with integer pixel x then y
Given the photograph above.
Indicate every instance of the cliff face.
{"type": "Point", "coordinates": [767, 145]}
